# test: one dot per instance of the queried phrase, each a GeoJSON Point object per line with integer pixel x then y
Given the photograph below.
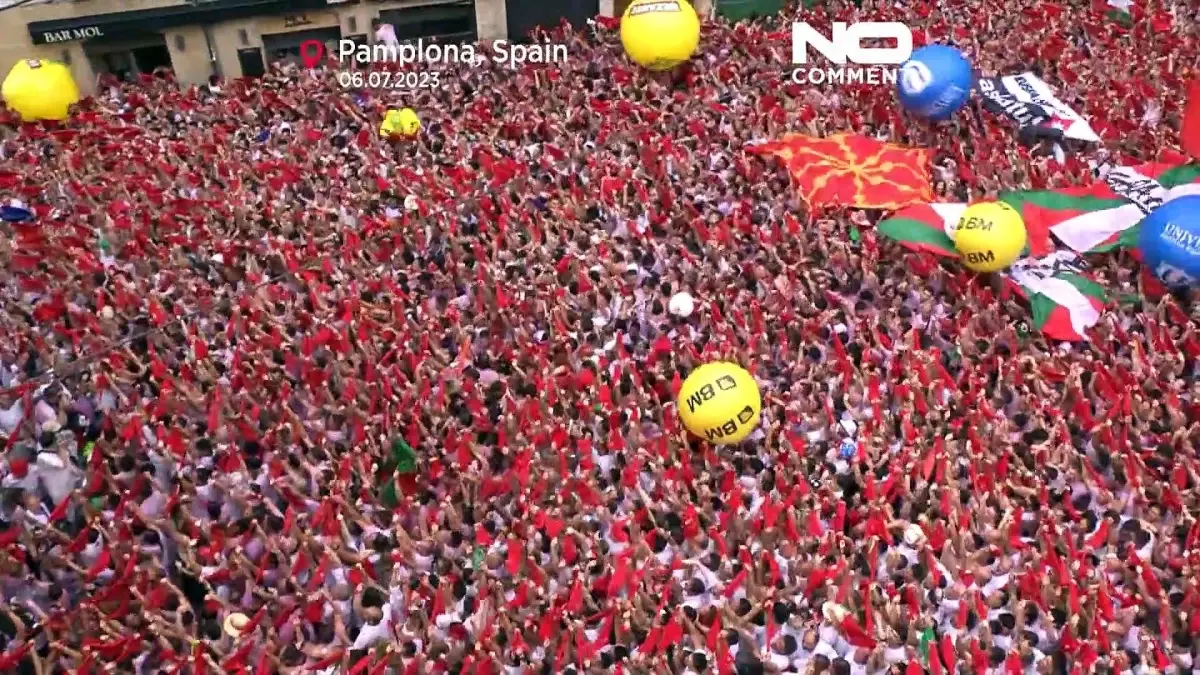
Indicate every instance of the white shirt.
{"type": "Point", "coordinates": [386, 34]}
{"type": "Point", "coordinates": [58, 476]}
{"type": "Point", "coordinates": [11, 418]}
{"type": "Point", "coordinates": [372, 633]}
{"type": "Point", "coordinates": [779, 661]}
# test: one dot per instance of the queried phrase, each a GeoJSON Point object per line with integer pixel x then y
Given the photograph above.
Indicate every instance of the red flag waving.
{"type": "Point", "coordinates": [1189, 136]}
{"type": "Point", "coordinates": [852, 170]}
{"type": "Point", "coordinates": [199, 664]}
{"type": "Point", "coordinates": [60, 511]}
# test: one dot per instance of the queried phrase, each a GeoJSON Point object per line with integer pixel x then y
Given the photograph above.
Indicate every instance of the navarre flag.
{"type": "Point", "coordinates": [1103, 216]}
{"type": "Point", "coordinates": [852, 170]}
{"type": "Point", "coordinates": [1064, 301]}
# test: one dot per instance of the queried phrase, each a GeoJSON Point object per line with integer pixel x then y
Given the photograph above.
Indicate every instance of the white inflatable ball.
{"type": "Point", "coordinates": [681, 304]}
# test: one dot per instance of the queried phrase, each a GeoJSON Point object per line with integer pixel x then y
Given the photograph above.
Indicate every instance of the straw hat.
{"type": "Point", "coordinates": [833, 612]}
{"type": "Point", "coordinates": [913, 536]}
{"type": "Point", "coordinates": [234, 623]}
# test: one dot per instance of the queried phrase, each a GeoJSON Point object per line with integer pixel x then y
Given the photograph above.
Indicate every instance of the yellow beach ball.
{"type": "Point", "coordinates": [990, 236]}
{"type": "Point", "coordinates": [720, 402]}
{"type": "Point", "coordinates": [408, 123]}
{"type": "Point", "coordinates": [39, 90]}
{"type": "Point", "coordinates": [404, 122]}
{"type": "Point", "coordinates": [660, 34]}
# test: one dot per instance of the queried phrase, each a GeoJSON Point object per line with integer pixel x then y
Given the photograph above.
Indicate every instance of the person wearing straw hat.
{"type": "Point", "coordinates": [234, 623]}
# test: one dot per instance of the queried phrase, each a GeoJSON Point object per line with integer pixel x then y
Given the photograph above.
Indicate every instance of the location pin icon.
{"type": "Point", "coordinates": [311, 52]}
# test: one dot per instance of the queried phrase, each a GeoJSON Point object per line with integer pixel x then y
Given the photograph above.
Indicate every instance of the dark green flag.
{"type": "Point", "coordinates": [388, 495]}
{"type": "Point", "coordinates": [402, 462]}
{"type": "Point", "coordinates": [404, 456]}
{"type": "Point", "coordinates": [927, 638]}
{"type": "Point", "coordinates": [403, 459]}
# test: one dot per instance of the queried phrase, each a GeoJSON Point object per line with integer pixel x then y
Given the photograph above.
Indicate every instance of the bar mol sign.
{"type": "Point", "coordinates": [72, 34]}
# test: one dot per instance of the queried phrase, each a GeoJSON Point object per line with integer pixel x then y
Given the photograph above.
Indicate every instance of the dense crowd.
{"type": "Point", "coordinates": [281, 396]}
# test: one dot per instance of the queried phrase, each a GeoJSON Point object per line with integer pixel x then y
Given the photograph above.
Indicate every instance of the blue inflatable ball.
{"type": "Point", "coordinates": [935, 82]}
{"type": "Point", "coordinates": [1170, 241]}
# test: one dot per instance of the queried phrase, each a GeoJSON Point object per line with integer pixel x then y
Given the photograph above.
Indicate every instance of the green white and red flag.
{"type": "Point", "coordinates": [1063, 299]}
{"type": "Point", "coordinates": [1102, 216]}
{"type": "Point", "coordinates": [925, 227]}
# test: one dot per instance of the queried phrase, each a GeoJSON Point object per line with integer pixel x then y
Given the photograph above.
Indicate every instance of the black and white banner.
{"type": "Point", "coordinates": [1145, 192]}
{"type": "Point", "coordinates": [1026, 271]}
{"type": "Point", "coordinates": [1031, 104]}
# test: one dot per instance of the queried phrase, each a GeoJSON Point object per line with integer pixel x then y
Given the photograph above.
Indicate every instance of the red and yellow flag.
{"type": "Point", "coordinates": [851, 170]}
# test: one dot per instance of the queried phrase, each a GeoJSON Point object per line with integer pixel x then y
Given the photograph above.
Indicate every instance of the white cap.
{"type": "Point", "coordinates": [914, 535]}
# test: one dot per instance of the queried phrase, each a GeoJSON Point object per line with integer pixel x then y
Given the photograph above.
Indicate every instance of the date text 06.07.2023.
{"type": "Point", "coordinates": [383, 79]}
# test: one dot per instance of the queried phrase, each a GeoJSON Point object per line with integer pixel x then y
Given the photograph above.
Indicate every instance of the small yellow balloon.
{"type": "Point", "coordinates": [40, 90]}
{"type": "Point", "coordinates": [660, 34]}
{"type": "Point", "coordinates": [990, 236]}
{"type": "Point", "coordinates": [720, 402]}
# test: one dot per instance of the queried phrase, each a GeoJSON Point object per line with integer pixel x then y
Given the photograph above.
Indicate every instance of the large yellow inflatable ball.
{"type": "Point", "coordinates": [990, 236]}
{"type": "Point", "coordinates": [390, 126]}
{"type": "Point", "coordinates": [660, 34]}
{"type": "Point", "coordinates": [39, 90]}
{"type": "Point", "coordinates": [720, 402]}
{"type": "Point", "coordinates": [408, 123]}
{"type": "Point", "coordinates": [400, 123]}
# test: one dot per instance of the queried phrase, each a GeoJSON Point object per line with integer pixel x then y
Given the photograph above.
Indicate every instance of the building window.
{"type": "Point", "coordinates": [359, 40]}
{"type": "Point", "coordinates": [286, 46]}
{"type": "Point", "coordinates": [352, 24]}
{"type": "Point", "coordinates": [243, 37]}
{"type": "Point", "coordinates": [449, 23]}
{"type": "Point", "coordinates": [180, 43]}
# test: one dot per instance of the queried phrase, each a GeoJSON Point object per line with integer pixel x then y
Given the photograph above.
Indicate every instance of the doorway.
{"type": "Point", "coordinates": [118, 63]}
{"type": "Point", "coordinates": [450, 23]}
{"type": "Point", "coordinates": [127, 58]}
{"type": "Point", "coordinates": [150, 57]}
{"type": "Point", "coordinates": [525, 15]}
{"type": "Point", "coordinates": [250, 59]}
{"type": "Point", "coordinates": [285, 47]}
